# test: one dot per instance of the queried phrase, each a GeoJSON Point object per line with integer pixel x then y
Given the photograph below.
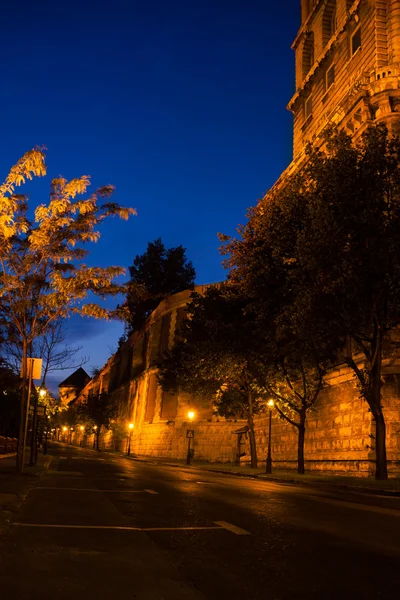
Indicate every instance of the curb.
{"type": "Point", "coordinates": [261, 477]}
{"type": "Point", "coordinates": [282, 481]}
{"type": "Point", "coordinates": [7, 455]}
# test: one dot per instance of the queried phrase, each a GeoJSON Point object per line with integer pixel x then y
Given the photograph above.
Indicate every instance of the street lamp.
{"type": "Point", "coordinates": [94, 435]}
{"type": "Point", "coordinates": [131, 426]}
{"type": "Point", "coordinates": [82, 429]}
{"type": "Point", "coordinates": [189, 435]}
{"type": "Point", "coordinates": [268, 464]}
{"type": "Point", "coordinates": [42, 392]}
{"type": "Point", "coordinates": [70, 435]}
{"type": "Point", "coordinates": [64, 434]}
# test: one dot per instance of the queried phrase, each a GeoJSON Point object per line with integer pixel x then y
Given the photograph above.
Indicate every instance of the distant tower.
{"type": "Point", "coordinates": [347, 67]}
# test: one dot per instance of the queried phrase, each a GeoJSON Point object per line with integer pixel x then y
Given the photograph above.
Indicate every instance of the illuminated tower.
{"type": "Point", "coordinates": [347, 67]}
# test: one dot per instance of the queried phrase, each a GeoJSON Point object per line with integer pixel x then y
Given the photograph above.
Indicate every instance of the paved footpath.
{"type": "Point", "coordinates": [100, 527]}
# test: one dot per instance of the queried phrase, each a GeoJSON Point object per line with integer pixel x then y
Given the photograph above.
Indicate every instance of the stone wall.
{"type": "Point", "coordinates": [339, 431]}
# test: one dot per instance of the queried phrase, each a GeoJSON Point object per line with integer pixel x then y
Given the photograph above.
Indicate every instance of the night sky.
{"type": "Point", "coordinates": [180, 104]}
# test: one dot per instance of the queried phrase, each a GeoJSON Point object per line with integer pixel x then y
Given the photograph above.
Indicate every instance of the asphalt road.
{"type": "Point", "coordinates": [98, 526]}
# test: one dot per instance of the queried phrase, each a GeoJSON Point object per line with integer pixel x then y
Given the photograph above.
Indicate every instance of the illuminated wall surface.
{"type": "Point", "coordinates": [347, 73]}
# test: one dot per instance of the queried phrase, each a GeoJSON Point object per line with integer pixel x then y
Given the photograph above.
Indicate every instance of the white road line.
{"type": "Point", "coordinates": [151, 492]}
{"type": "Point", "coordinates": [232, 528]}
{"type": "Point", "coordinates": [68, 489]}
{"type": "Point", "coordinates": [119, 528]}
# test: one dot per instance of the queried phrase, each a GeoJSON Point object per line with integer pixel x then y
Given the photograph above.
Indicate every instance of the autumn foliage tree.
{"type": "Point", "coordinates": [43, 276]}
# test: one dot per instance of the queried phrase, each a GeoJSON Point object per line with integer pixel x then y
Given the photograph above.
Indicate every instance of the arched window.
{"type": "Point", "coordinates": [329, 23]}
{"type": "Point", "coordinates": [308, 54]}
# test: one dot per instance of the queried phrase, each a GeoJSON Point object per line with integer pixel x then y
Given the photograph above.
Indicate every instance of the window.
{"type": "Point", "coordinates": [308, 54]}
{"type": "Point", "coordinates": [329, 21]}
{"type": "Point", "coordinates": [165, 325]}
{"type": "Point", "coordinates": [308, 107]}
{"type": "Point", "coordinates": [169, 405]}
{"type": "Point", "coordinates": [356, 41]}
{"type": "Point", "coordinates": [329, 77]}
{"type": "Point", "coordinates": [151, 398]}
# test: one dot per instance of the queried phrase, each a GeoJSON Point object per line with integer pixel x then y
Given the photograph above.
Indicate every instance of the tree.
{"type": "Point", "coordinates": [350, 247]}
{"type": "Point", "coordinates": [217, 357]}
{"type": "Point", "coordinates": [155, 275]}
{"type": "Point", "coordinates": [335, 253]}
{"type": "Point", "coordinates": [50, 347]}
{"type": "Point", "coordinates": [99, 410]}
{"type": "Point", "coordinates": [42, 274]}
{"type": "Point", "coordinates": [261, 265]}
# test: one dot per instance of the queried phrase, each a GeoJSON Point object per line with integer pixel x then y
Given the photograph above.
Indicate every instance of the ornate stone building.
{"type": "Point", "coordinates": [347, 73]}
{"type": "Point", "coordinates": [347, 57]}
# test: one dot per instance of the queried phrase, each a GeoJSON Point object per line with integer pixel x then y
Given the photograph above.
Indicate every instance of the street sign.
{"type": "Point", "coordinates": [189, 433]}
{"type": "Point", "coordinates": [34, 366]}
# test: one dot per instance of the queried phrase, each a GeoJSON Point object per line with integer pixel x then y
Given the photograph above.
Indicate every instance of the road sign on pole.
{"type": "Point", "coordinates": [190, 433]}
{"type": "Point", "coordinates": [34, 366]}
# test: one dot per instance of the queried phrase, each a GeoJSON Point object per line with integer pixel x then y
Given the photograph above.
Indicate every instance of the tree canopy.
{"type": "Point", "coordinates": [218, 357]}
{"type": "Point", "coordinates": [43, 276]}
{"type": "Point", "coordinates": [155, 275]}
{"type": "Point", "coordinates": [326, 243]}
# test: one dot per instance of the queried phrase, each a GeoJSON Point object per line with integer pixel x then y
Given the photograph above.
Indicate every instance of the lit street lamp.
{"type": "Point", "coordinates": [65, 434]}
{"type": "Point", "coordinates": [82, 429]}
{"type": "Point", "coordinates": [268, 465]}
{"type": "Point", "coordinates": [189, 435]}
{"type": "Point", "coordinates": [94, 435]}
{"type": "Point", "coordinates": [131, 426]}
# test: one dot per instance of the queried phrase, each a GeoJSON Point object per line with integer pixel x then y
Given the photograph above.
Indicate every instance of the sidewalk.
{"type": "Point", "coordinates": [14, 488]}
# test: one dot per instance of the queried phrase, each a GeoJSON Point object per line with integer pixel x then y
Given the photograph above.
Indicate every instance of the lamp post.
{"type": "Point", "coordinates": [70, 436]}
{"type": "Point", "coordinates": [64, 434]}
{"type": "Point", "coordinates": [94, 435]}
{"type": "Point", "coordinates": [47, 433]}
{"type": "Point", "coordinates": [82, 429]}
{"type": "Point", "coordinates": [131, 426]}
{"type": "Point", "coordinates": [189, 435]}
{"type": "Point", "coordinates": [268, 464]}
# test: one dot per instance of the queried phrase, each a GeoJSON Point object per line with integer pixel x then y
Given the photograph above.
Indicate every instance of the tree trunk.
{"type": "Point", "coordinates": [23, 407]}
{"type": "Point", "coordinates": [300, 449]}
{"type": "Point", "coordinates": [34, 434]}
{"type": "Point", "coordinates": [300, 440]}
{"type": "Point", "coordinates": [380, 447]}
{"type": "Point", "coordinates": [250, 421]}
{"type": "Point", "coordinates": [375, 403]}
{"type": "Point", "coordinates": [97, 439]}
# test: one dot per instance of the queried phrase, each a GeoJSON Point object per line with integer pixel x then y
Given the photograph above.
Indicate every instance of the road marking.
{"type": "Point", "coordinates": [232, 528]}
{"type": "Point", "coordinates": [123, 491]}
{"type": "Point", "coordinates": [52, 473]}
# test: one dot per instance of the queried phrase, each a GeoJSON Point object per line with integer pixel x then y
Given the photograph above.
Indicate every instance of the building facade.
{"type": "Point", "coordinates": [347, 74]}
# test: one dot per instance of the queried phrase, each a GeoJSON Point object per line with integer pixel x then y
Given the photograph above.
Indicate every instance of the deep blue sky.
{"type": "Point", "coordinates": [180, 104]}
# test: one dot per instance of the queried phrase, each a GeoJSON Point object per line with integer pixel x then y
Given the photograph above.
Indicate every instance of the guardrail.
{"type": "Point", "coordinates": [8, 445]}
